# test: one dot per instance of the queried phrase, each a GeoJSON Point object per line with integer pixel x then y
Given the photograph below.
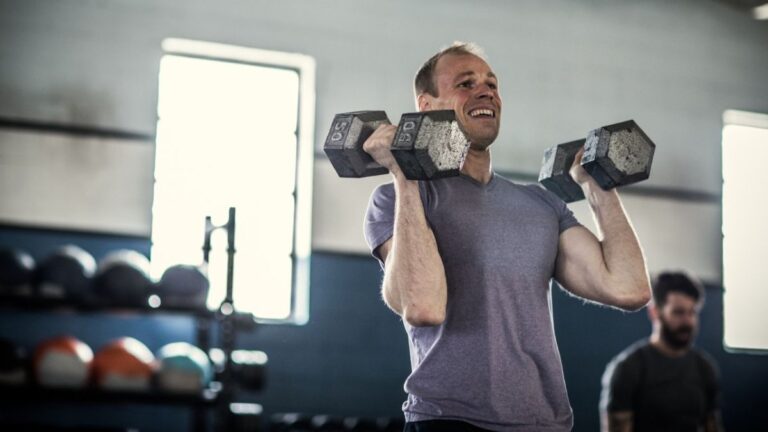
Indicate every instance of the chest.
{"type": "Point", "coordinates": [673, 390]}
{"type": "Point", "coordinates": [500, 226]}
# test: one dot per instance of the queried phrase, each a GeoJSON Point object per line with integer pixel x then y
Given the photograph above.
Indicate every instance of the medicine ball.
{"type": "Point", "coordinates": [124, 364]}
{"type": "Point", "coordinates": [183, 286]}
{"type": "Point", "coordinates": [122, 279]}
{"type": "Point", "coordinates": [63, 361]}
{"type": "Point", "coordinates": [65, 274]}
{"type": "Point", "coordinates": [183, 368]}
{"type": "Point", "coordinates": [16, 272]}
{"type": "Point", "coordinates": [13, 360]}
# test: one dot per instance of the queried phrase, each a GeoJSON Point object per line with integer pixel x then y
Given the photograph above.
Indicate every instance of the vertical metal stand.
{"type": "Point", "coordinates": [225, 317]}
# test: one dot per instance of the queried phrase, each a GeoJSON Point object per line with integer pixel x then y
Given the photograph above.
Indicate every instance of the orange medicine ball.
{"type": "Point", "coordinates": [64, 361]}
{"type": "Point", "coordinates": [124, 364]}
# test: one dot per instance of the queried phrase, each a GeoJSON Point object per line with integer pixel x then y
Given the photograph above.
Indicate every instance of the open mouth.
{"type": "Point", "coordinates": [482, 112]}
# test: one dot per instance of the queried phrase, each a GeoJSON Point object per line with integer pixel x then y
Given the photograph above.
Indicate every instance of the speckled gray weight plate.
{"type": "Point", "coordinates": [618, 154]}
{"type": "Point", "coordinates": [430, 145]}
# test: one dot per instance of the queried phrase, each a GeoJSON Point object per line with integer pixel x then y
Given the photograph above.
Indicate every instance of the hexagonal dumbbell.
{"type": "Point", "coordinates": [614, 155]}
{"type": "Point", "coordinates": [427, 145]}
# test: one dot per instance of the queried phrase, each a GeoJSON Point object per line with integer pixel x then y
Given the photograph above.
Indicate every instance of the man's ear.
{"type": "Point", "coordinates": [653, 313]}
{"type": "Point", "coordinates": [424, 101]}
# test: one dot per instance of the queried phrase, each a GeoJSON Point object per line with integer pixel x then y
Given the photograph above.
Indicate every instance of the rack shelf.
{"type": "Point", "coordinates": [47, 305]}
{"type": "Point", "coordinates": [34, 393]}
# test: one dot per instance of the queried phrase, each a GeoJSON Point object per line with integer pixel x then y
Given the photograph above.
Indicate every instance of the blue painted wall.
{"type": "Point", "coordinates": [351, 358]}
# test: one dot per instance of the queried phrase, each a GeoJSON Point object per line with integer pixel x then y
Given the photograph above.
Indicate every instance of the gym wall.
{"type": "Point", "coordinates": [565, 67]}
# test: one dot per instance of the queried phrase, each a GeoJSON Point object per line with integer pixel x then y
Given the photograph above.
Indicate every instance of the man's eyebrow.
{"type": "Point", "coordinates": [470, 73]}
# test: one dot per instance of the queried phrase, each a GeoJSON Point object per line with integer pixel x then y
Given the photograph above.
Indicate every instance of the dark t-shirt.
{"type": "Point", "coordinates": [664, 393]}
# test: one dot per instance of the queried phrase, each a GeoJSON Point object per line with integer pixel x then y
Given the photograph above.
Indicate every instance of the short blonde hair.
{"type": "Point", "coordinates": [424, 82]}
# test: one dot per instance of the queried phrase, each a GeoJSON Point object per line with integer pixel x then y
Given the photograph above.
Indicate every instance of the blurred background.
{"type": "Point", "coordinates": [124, 123]}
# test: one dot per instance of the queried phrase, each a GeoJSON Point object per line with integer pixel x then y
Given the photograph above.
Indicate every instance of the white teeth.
{"type": "Point", "coordinates": [480, 112]}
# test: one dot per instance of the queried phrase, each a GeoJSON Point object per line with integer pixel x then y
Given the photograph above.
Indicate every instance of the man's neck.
{"type": "Point", "coordinates": [477, 165]}
{"type": "Point", "coordinates": [667, 349]}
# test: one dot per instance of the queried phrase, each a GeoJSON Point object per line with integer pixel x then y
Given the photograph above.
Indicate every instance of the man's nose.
{"type": "Point", "coordinates": [485, 91]}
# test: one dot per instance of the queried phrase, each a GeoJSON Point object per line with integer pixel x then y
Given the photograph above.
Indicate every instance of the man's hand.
{"type": "Point", "coordinates": [379, 146]}
{"type": "Point", "coordinates": [579, 174]}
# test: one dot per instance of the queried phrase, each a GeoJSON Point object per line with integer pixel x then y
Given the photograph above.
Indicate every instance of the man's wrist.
{"type": "Point", "coordinates": [596, 195]}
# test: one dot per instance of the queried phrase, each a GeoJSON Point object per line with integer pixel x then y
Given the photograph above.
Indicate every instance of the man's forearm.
{"type": "Point", "coordinates": [414, 279]}
{"type": "Point", "coordinates": [617, 421]}
{"type": "Point", "coordinates": [713, 423]}
{"type": "Point", "coordinates": [627, 273]}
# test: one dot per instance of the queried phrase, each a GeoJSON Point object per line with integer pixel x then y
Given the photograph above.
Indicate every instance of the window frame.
{"type": "Point", "coordinates": [750, 120]}
{"type": "Point", "coordinates": [305, 68]}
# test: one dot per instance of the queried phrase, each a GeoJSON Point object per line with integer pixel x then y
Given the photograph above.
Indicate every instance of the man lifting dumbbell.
{"type": "Point", "coordinates": [468, 261]}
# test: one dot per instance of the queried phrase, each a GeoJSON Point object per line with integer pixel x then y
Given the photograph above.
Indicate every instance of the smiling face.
{"type": "Point", "coordinates": [466, 84]}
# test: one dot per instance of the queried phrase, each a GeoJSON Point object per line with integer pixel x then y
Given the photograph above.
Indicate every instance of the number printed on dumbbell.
{"type": "Point", "coordinates": [339, 129]}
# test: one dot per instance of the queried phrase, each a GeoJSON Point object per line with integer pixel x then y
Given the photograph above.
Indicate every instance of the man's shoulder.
{"type": "Point", "coordinates": [706, 360]}
{"type": "Point", "coordinates": [633, 353]}
{"type": "Point", "coordinates": [626, 366]}
{"type": "Point", "coordinates": [703, 355]}
{"type": "Point", "coordinates": [382, 195]}
{"type": "Point", "coordinates": [384, 188]}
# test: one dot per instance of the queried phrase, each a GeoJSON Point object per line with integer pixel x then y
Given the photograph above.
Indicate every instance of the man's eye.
{"type": "Point", "coordinates": [493, 86]}
{"type": "Point", "coordinates": [466, 84]}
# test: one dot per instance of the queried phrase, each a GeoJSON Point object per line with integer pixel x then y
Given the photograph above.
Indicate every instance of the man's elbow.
{"type": "Point", "coordinates": [636, 298]}
{"type": "Point", "coordinates": [424, 316]}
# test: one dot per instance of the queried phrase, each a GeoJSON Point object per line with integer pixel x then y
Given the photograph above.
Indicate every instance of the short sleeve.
{"type": "Point", "coordinates": [711, 377]}
{"type": "Point", "coordinates": [380, 218]}
{"type": "Point", "coordinates": [565, 216]}
{"type": "Point", "coordinates": [620, 383]}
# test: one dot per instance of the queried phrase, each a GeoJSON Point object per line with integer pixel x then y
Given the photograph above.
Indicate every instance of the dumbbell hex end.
{"type": "Point", "coordinates": [618, 154]}
{"type": "Point", "coordinates": [344, 144]}
{"type": "Point", "coordinates": [554, 174]}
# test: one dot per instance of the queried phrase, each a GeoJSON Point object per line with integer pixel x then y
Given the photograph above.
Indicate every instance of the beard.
{"type": "Point", "coordinates": [678, 338]}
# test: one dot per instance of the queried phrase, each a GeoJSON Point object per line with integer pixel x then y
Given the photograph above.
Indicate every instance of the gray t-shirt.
{"type": "Point", "coordinates": [494, 361]}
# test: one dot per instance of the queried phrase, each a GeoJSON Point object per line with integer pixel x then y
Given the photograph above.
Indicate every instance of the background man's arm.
{"type": "Point", "coordinates": [713, 423]}
{"type": "Point", "coordinates": [617, 421]}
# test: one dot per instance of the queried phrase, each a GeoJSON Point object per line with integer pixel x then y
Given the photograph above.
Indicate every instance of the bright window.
{"type": "Point", "coordinates": [234, 130]}
{"type": "Point", "coordinates": [745, 213]}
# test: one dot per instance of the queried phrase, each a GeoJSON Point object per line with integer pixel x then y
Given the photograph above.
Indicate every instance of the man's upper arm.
{"type": "Point", "coordinates": [580, 266]}
{"type": "Point", "coordinates": [616, 404]}
{"type": "Point", "coordinates": [620, 382]}
{"type": "Point", "coordinates": [712, 384]}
